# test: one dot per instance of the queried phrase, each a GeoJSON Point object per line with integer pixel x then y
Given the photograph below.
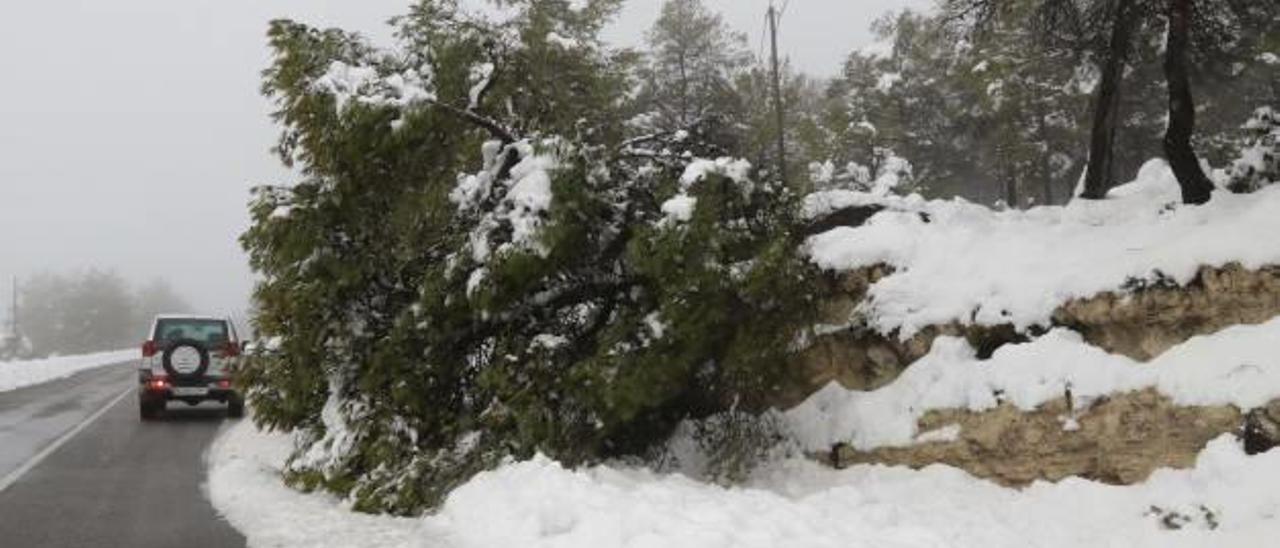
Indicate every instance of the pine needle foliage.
{"type": "Point", "coordinates": [478, 261]}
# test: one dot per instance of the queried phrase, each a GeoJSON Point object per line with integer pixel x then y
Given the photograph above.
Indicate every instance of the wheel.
{"type": "Point", "coordinates": [235, 407]}
{"type": "Point", "coordinates": [149, 410]}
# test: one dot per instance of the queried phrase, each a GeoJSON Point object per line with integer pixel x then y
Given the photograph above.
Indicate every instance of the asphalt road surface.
{"type": "Point", "coordinates": [77, 468]}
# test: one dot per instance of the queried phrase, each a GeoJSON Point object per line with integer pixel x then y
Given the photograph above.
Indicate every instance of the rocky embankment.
{"type": "Point", "coordinates": [1118, 439]}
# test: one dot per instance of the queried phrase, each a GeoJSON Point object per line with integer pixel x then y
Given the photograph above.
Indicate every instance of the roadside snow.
{"type": "Point", "coordinates": [1229, 499]}
{"type": "Point", "coordinates": [15, 375]}
{"type": "Point", "coordinates": [245, 486]}
{"type": "Point", "coordinates": [958, 261]}
{"type": "Point", "coordinates": [1237, 366]}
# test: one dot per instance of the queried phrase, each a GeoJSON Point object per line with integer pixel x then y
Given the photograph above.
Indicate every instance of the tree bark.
{"type": "Point", "coordinates": [1106, 116]}
{"type": "Point", "coordinates": [1196, 187]}
{"type": "Point", "coordinates": [1046, 174]}
{"type": "Point", "coordinates": [1011, 192]}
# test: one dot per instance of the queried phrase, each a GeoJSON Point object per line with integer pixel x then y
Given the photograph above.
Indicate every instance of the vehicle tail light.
{"type": "Point", "coordinates": [224, 383]}
{"type": "Point", "coordinates": [149, 349]}
{"type": "Point", "coordinates": [158, 382]}
{"type": "Point", "coordinates": [231, 349]}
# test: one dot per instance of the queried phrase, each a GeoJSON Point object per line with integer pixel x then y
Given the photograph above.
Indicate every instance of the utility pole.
{"type": "Point", "coordinates": [777, 94]}
{"type": "Point", "coordinates": [13, 316]}
{"type": "Point", "coordinates": [13, 310]}
{"type": "Point", "coordinates": [10, 340]}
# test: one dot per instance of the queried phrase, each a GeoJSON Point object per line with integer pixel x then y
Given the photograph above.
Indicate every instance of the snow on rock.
{"type": "Point", "coordinates": [19, 374]}
{"type": "Point", "coordinates": [941, 435]}
{"type": "Point", "coordinates": [1238, 366]}
{"type": "Point", "coordinates": [1228, 499]}
{"type": "Point", "coordinates": [956, 261]}
{"type": "Point", "coordinates": [818, 204]}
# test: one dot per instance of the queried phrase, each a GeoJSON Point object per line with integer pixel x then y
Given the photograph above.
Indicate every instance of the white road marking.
{"type": "Point", "coordinates": [16, 475]}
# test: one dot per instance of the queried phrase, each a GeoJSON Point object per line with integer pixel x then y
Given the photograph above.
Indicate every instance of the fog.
{"type": "Point", "coordinates": [131, 130]}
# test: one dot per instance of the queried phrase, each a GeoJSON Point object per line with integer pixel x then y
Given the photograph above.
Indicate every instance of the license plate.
{"type": "Point", "coordinates": [190, 391]}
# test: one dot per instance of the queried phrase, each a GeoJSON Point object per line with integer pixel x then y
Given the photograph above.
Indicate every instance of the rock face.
{"type": "Point", "coordinates": [1148, 321]}
{"type": "Point", "coordinates": [1118, 440]}
{"type": "Point", "coordinates": [861, 359]}
{"type": "Point", "coordinates": [1262, 429]}
{"type": "Point", "coordinates": [1141, 323]}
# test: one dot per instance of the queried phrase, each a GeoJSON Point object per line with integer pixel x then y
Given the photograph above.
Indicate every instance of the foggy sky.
{"type": "Point", "coordinates": [131, 130]}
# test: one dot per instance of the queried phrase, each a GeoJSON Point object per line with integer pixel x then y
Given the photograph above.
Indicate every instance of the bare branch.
{"type": "Point", "coordinates": [497, 130]}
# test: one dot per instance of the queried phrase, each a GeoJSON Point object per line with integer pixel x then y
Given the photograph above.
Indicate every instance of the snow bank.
{"type": "Point", "coordinates": [1229, 499]}
{"type": "Point", "coordinates": [15, 375]}
{"type": "Point", "coordinates": [246, 488]}
{"type": "Point", "coordinates": [957, 261]}
{"type": "Point", "coordinates": [1238, 366]}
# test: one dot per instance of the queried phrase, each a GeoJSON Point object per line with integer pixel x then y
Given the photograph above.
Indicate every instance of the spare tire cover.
{"type": "Point", "coordinates": [185, 358]}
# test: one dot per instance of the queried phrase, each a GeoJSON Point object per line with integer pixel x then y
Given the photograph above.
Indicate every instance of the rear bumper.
{"type": "Point", "coordinates": [165, 394]}
{"type": "Point", "coordinates": [207, 389]}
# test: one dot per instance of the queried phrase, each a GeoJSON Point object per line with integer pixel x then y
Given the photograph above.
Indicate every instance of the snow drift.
{"type": "Point", "coordinates": [955, 261]}
{"type": "Point", "coordinates": [1228, 499]}
{"type": "Point", "coordinates": [19, 374]}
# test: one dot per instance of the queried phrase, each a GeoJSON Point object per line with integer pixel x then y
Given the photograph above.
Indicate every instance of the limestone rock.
{"type": "Point", "coordinates": [1148, 321]}
{"type": "Point", "coordinates": [1119, 440]}
{"type": "Point", "coordinates": [1141, 323]}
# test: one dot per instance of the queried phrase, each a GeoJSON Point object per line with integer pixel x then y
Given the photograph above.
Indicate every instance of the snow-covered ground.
{"type": "Point", "coordinates": [1228, 499]}
{"type": "Point", "coordinates": [959, 261]}
{"type": "Point", "coordinates": [14, 375]}
{"type": "Point", "coordinates": [245, 486]}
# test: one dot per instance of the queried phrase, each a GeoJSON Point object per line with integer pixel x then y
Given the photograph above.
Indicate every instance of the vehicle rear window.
{"type": "Point", "coordinates": [212, 332]}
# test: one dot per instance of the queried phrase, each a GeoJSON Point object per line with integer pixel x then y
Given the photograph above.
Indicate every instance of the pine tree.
{"type": "Point", "coordinates": [686, 86]}
{"type": "Point", "coordinates": [484, 260]}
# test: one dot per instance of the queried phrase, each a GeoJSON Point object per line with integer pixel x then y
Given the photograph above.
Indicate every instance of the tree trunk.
{"type": "Point", "coordinates": [1009, 173]}
{"type": "Point", "coordinates": [1106, 116]}
{"type": "Point", "coordinates": [684, 93]}
{"type": "Point", "coordinates": [1043, 156]}
{"type": "Point", "coordinates": [1196, 187]}
{"type": "Point", "coordinates": [1046, 174]}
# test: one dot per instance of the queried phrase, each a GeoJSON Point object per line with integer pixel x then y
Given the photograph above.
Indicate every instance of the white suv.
{"type": "Point", "coordinates": [189, 359]}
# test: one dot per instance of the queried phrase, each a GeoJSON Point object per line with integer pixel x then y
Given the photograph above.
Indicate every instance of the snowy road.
{"type": "Point", "coordinates": [77, 467]}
